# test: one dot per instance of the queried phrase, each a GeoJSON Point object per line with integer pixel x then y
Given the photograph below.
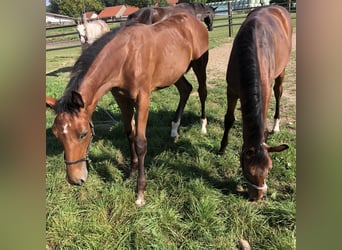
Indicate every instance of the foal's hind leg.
{"type": "Point", "coordinates": [199, 66]}
{"type": "Point", "coordinates": [184, 88]}
{"type": "Point", "coordinates": [228, 120]}
{"type": "Point", "coordinates": [278, 91]}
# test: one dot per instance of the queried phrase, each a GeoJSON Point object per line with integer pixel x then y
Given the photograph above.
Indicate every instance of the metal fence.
{"type": "Point", "coordinates": [232, 12]}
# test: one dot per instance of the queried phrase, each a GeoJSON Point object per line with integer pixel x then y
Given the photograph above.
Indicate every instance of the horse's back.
{"type": "Point", "coordinates": [96, 29]}
{"type": "Point", "coordinates": [162, 55]}
{"type": "Point", "coordinates": [272, 29]}
{"type": "Point", "coordinates": [181, 39]}
{"type": "Point", "coordinates": [277, 20]}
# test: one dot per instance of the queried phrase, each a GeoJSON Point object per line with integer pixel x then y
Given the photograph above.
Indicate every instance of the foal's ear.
{"type": "Point", "coordinates": [279, 148]}
{"type": "Point", "coordinates": [50, 102]}
{"type": "Point", "coordinates": [77, 99]}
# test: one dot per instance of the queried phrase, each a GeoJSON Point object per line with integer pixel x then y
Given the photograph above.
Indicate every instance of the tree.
{"type": "Point", "coordinates": [75, 8]}
{"type": "Point", "coordinates": [53, 7]}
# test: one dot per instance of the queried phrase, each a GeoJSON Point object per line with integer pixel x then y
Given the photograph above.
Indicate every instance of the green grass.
{"type": "Point", "coordinates": [192, 197]}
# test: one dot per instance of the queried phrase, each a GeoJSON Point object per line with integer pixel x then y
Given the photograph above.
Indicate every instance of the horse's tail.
{"type": "Point", "coordinates": [250, 87]}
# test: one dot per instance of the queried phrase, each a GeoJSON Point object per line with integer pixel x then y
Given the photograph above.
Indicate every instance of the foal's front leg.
{"type": "Point", "coordinates": [229, 119]}
{"type": "Point", "coordinates": [127, 112]}
{"type": "Point", "coordinates": [140, 142]}
{"type": "Point", "coordinates": [278, 92]}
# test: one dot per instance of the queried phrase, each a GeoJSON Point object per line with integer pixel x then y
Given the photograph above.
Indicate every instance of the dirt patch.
{"type": "Point", "coordinates": [218, 58]}
{"type": "Point", "coordinates": [217, 67]}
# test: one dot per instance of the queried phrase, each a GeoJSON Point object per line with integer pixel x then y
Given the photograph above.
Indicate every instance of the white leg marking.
{"type": "Point", "coordinates": [276, 125]}
{"type": "Point", "coordinates": [140, 202]}
{"type": "Point", "coordinates": [204, 125]}
{"type": "Point", "coordinates": [174, 132]}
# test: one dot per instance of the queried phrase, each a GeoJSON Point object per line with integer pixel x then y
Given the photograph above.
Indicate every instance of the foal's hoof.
{"type": "Point", "coordinates": [221, 152]}
{"type": "Point", "coordinates": [274, 131]}
{"type": "Point", "coordinates": [244, 245]}
{"type": "Point", "coordinates": [140, 202]}
{"type": "Point", "coordinates": [204, 123]}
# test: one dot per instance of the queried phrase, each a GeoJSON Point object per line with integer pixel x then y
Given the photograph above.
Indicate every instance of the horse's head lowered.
{"type": "Point", "coordinates": [74, 129]}
{"type": "Point", "coordinates": [255, 164]}
{"type": "Point", "coordinates": [209, 17]}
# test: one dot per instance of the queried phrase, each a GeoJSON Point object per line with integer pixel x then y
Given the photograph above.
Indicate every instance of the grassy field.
{"type": "Point", "coordinates": [195, 198]}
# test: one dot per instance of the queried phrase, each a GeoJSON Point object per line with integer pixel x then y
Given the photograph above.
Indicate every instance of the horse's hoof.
{"type": "Point", "coordinates": [204, 123]}
{"type": "Point", "coordinates": [174, 128]}
{"type": "Point", "coordinates": [140, 202]}
{"type": "Point", "coordinates": [244, 245]}
{"type": "Point", "coordinates": [276, 126]}
{"type": "Point", "coordinates": [174, 135]}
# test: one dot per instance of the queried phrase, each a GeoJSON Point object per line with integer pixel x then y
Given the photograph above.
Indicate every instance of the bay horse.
{"type": "Point", "coordinates": [260, 53]}
{"type": "Point", "coordinates": [150, 15]}
{"type": "Point", "coordinates": [201, 11]}
{"type": "Point", "coordinates": [131, 71]}
{"type": "Point", "coordinates": [89, 32]}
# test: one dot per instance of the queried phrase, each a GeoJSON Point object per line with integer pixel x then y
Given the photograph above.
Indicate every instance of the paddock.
{"type": "Point", "coordinates": [195, 198]}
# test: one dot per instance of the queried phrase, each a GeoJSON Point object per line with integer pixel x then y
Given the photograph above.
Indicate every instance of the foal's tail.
{"type": "Point", "coordinates": [250, 87]}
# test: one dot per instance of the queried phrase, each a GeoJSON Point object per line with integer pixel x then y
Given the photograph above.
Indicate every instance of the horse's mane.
{"type": "Point", "coordinates": [144, 15]}
{"type": "Point", "coordinates": [251, 97]}
{"type": "Point", "coordinates": [80, 68]}
{"type": "Point", "coordinates": [193, 5]}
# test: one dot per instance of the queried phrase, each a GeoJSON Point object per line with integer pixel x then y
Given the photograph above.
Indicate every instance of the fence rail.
{"type": "Point", "coordinates": [233, 18]}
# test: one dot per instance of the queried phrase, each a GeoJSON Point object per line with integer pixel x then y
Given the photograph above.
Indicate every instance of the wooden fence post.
{"type": "Point", "coordinates": [230, 18]}
{"type": "Point", "coordinates": [289, 5]}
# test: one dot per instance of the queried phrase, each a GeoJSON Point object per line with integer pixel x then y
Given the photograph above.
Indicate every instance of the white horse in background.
{"type": "Point", "coordinates": [90, 31]}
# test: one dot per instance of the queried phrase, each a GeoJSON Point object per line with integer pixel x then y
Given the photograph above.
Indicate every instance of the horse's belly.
{"type": "Point", "coordinates": [168, 75]}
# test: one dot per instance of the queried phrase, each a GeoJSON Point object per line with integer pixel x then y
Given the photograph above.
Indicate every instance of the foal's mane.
{"type": "Point", "coordinates": [80, 68]}
{"type": "Point", "coordinates": [144, 15]}
{"type": "Point", "coordinates": [250, 87]}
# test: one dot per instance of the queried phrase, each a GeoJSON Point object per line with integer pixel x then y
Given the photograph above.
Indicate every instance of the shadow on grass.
{"type": "Point", "coordinates": [58, 71]}
{"type": "Point", "coordinates": [158, 140]}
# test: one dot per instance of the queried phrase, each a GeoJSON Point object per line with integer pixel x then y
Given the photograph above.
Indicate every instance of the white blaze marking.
{"type": "Point", "coordinates": [65, 128]}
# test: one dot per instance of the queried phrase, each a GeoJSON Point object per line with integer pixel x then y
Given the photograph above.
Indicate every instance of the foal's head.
{"type": "Point", "coordinates": [81, 29]}
{"type": "Point", "coordinates": [256, 163]}
{"type": "Point", "coordinates": [74, 129]}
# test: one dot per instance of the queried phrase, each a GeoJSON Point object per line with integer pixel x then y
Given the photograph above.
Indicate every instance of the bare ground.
{"type": "Point", "coordinates": [217, 67]}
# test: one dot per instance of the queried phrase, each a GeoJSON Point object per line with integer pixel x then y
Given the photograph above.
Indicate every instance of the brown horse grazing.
{"type": "Point", "coordinates": [131, 71]}
{"type": "Point", "coordinates": [152, 15]}
{"type": "Point", "coordinates": [260, 53]}
{"type": "Point", "coordinates": [88, 32]}
{"type": "Point", "coordinates": [149, 15]}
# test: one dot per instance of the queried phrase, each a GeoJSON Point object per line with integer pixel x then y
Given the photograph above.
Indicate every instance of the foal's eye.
{"type": "Point", "coordinates": [83, 134]}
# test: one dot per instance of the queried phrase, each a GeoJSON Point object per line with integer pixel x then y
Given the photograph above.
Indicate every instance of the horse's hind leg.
{"type": "Point", "coordinates": [184, 88]}
{"type": "Point", "coordinates": [199, 67]}
{"type": "Point", "coordinates": [228, 120]}
{"type": "Point", "coordinates": [278, 91]}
